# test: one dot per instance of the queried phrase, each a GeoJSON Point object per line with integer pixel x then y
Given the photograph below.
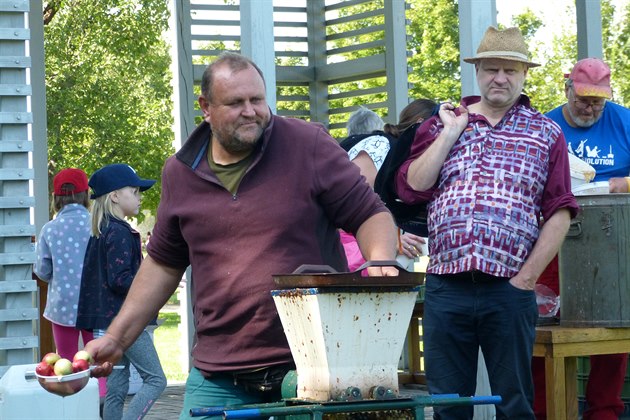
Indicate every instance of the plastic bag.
{"type": "Point", "coordinates": [548, 302]}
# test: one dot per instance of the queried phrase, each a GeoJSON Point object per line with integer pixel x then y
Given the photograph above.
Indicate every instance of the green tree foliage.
{"type": "Point", "coordinates": [434, 46]}
{"type": "Point", "coordinates": [355, 37]}
{"type": "Point", "coordinates": [545, 84]}
{"type": "Point", "coordinates": [108, 86]}
{"type": "Point", "coordinates": [616, 42]}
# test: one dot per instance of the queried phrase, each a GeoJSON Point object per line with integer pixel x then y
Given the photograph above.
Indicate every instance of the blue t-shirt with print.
{"type": "Point", "coordinates": [605, 145]}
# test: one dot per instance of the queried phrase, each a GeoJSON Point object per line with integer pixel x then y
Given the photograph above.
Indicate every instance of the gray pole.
{"type": "Point", "coordinates": [316, 33]}
{"type": "Point", "coordinates": [257, 41]}
{"type": "Point", "coordinates": [474, 18]}
{"type": "Point", "coordinates": [396, 59]}
{"type": "Point", "coordinates": [589, 28]}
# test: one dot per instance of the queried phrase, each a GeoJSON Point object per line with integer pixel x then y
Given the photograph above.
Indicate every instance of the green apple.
{"type": "Point", "coordinates": [83, 355]}
{"type": "Point", "coordinates": [63, 367]}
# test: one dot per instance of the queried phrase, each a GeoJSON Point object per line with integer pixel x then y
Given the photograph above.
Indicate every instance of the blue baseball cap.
{"type": "Point", "coordinates": [114, 177]}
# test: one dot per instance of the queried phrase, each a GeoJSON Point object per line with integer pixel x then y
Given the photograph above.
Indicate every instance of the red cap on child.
{"type": "Point", "coordinates": [75, 177]}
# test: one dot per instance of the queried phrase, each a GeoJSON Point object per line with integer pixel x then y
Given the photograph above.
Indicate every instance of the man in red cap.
{"type": "Point", "coordinates": [598, 132]}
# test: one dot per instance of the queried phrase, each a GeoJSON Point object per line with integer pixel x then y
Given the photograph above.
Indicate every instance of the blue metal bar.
{"type": "Point", "coordinates": [362, 406]}
{"type": "Point", "coordinates": [246, 413]}
{"type": "Point", "coordinates": [218, 411]}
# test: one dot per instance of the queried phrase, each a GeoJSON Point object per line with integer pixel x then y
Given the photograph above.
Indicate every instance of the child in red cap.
{"type": "Point", "coordinates": [61, 248]}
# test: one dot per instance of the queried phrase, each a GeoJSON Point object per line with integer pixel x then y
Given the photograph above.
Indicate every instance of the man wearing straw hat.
{"type": "Point", "coordinates": [488, 169]}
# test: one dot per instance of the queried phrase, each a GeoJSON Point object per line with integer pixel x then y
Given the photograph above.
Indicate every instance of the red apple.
{"type": "Point", "coordinates": [44, 369]}
{"type": "Point", "coordinates": [51, 358]}
{"type": "Point", "coordinates": [63, 367]}
{"type": "Point", "coordinates": [80, 365]}
{"type": "Point", "coordinates": [83, 355]}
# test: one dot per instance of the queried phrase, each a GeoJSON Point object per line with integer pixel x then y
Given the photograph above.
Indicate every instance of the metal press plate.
{"type": "Point", "coordinates": [325, 276]}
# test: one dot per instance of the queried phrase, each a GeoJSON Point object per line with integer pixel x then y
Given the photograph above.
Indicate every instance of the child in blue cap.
{"type": "Point", "coordinates": [113, 257]}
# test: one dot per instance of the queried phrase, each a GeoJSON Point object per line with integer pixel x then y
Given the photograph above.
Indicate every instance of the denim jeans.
{"type": "Point", "coordinates": [465, 311]}
{"type": "Point", "coordinates": [144, 357]}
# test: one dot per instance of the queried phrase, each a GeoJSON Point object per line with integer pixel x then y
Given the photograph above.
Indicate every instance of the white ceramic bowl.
{"type": "Point", "coordinates": [581, 172]}
{"type": "Point", "coordinates": [65, 385]}
{"type": "Point", "coordinates": [592, 188]}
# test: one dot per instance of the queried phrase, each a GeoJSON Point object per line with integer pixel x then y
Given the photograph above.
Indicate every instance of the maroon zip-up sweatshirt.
{"type": "Point", "coordinates": [299, 189]}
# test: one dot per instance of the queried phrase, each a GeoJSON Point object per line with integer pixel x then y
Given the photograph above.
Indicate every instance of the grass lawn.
{"type": "Point", "coordinates": [169, 348]}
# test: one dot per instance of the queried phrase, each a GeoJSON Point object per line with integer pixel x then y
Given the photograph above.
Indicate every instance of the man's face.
{"type": "Point", "coordinates": [584, 110]}
{"type": "Point", "coordinates": [238, 113]}
{"type": "Point", "coordinates": [500, 81]}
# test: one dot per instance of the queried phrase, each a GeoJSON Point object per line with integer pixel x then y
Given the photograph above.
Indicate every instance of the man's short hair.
{"type": "Point", "coordinates": [363, 121]}
{"type": "Point", "coordinates": [235, 61]}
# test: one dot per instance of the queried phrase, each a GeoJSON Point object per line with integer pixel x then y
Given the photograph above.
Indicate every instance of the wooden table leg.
{"type": "Point", "coordinates": [414, 338]}
{"type": "Point", "coordinates": [555, 374]}
{"type": "Point", "coordinates": [413, 373]}
{"type": "Point", "coordinates": [406, 375]}
{"type": "Point", "coordinates": [570, 375]}
{"type": "Point", "coordinates": [560, 346]}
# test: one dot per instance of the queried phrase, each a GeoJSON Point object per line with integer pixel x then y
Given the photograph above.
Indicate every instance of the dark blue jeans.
{"type": "Point", "coordinates": [468, 310]}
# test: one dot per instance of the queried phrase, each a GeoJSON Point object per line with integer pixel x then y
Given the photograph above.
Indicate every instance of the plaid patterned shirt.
{"type": "Point", "coordinates": [496, 182]}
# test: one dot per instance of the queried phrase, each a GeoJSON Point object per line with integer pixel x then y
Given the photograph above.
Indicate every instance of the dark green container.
{"type": "Point", "coordinates": [594, 264]}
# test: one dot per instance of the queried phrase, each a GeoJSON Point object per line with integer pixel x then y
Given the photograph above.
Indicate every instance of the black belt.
{"type": "Point", "coordinates": [474, 276]}
{"type": "Point", "coordinates": [481, 277]}
{"type": "Point", "coordinates": [256, 380]}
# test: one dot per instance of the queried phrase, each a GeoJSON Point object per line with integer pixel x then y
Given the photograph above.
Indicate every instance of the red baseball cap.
{"type": "Point", "coordinates": [591, 77]}
{"type": "Point", "coordinates": [73, 176]}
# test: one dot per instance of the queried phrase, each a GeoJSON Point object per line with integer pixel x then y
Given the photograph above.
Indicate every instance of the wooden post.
{"type": "Point", "coordinates": [46, 339]}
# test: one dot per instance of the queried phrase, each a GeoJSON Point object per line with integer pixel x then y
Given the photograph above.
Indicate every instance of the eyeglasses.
{"type": "Point", "coordinates": [583, 104]}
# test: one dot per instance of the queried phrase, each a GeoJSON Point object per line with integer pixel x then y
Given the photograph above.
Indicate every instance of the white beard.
{"type": "Point", "coordinates": [584, 122]}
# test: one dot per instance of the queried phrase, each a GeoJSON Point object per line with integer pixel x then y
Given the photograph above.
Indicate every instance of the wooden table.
{"type": "Point", "coordinates": [560, 347]}
{"type": "Point", "coordinates": [415, 373]}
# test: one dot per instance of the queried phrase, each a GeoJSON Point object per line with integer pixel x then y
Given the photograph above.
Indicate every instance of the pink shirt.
{"type": "Point", "coordinates": [496, 182]}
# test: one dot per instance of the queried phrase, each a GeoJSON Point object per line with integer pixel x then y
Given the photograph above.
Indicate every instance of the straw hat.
{"type": "Point", "coordinates": [508, 44]}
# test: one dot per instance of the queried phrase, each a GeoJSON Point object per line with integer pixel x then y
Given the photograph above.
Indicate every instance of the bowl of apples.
{"type": "Point", "coordinates": [64, 377]}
